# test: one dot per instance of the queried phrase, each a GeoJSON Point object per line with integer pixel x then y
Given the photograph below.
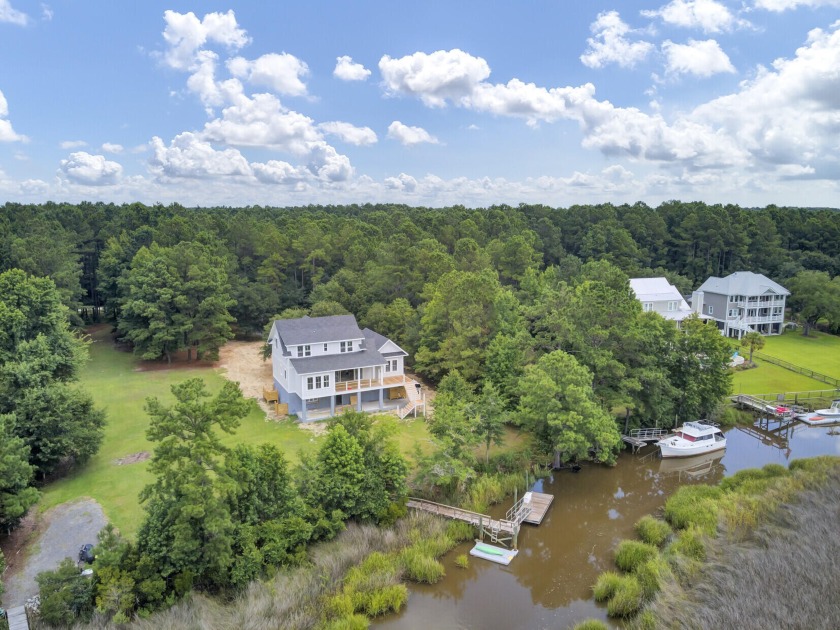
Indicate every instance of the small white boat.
{"type": "Point", "coordinates": [822, 416]}
{"type": "Point", "coordinates": [693, 438]}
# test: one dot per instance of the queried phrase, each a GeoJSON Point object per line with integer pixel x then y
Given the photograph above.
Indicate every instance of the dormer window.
{"type": "Point", "coordinates": [304, 351]}
{"type": "Point", "coordinates": [672, 306]}
{"type": "Point", "coordinates": [347, 346]}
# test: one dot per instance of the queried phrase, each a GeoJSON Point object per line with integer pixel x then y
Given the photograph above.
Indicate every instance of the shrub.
{"type": "Point", "coordinates": [462, 561]}
{"type": "Point", "coordinates": [653, 531]}
{"type": "Point", "coordinates": [591, 624]}
{"type": "Point", "coordinates": [339, 605]}
{"type": "Point", "coordinates": [606, 585]}
{"type": "Point", "coordinates": [630, 554]}
{"type": "Point", "coordinates": [694, 505]}
{"type": "Point", "coordinates": [627, 598]}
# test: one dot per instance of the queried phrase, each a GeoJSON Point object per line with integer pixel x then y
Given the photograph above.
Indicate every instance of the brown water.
{"type": "Point", "coordinates": [548, 585]}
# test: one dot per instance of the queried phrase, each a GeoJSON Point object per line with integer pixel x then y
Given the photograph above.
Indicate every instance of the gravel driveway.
{"type": "Point", "coordinates": [68, 527]}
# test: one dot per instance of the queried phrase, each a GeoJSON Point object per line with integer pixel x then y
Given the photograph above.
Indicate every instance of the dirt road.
{"type": "Point", "coordinates": [64, 529]}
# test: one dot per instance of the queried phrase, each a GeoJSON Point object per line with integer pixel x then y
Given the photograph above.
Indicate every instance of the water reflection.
{"type": "Point", "coordinates": [548, 585]}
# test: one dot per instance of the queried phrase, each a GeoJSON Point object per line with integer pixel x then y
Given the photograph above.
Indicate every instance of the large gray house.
{"type": "Point", "coordinates": [322, 365]}
{"type": "Point", "coordinates": [742, 302]}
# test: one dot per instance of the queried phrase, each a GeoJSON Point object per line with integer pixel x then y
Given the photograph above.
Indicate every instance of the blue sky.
{"type": "Point", "coordinates": [428, 103]}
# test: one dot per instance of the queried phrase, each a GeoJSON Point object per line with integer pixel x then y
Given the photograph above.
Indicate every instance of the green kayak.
{"type": "Point", "coordinates": [488, 549]}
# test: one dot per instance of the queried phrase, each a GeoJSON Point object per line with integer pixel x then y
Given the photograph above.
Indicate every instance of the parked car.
{"type": "Point", "coordinates": [86, 554]}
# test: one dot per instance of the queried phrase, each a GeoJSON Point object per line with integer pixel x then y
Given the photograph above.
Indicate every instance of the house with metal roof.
{"type": "Point", "coordinates": [660, 296]}
{"type": "Point", "coordinates": [322, 365]}
{"type": "Point", "coordinates": [742, 302]}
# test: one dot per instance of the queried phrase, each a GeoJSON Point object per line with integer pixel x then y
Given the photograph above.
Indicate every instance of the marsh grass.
{"type": "Point", "coordinates": [652, 575]}
{"type": "Point", "coordinates": [462, 561]}
{"type": "Point", "coordinates": [421, 566]}
{"type": "Point", "coordinates": [627, 599]}
{"type": "Point", "coordinates": [694, 505]}
{"type": "Point", "coordinates": [653, 531]}
{"type": "Point", "coordinates": [606, 585]}
{"type": "Point", "coordinates": [631, 554]}
{"type": "Point", "coordinates": [784, 576]}
{"type": "Point", "coordinates": [591, 624]}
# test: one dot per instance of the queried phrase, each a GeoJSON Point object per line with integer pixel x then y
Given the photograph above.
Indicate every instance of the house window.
{"type": "Point", "coordinates": [777, 310]}
{"type": "Point", "coordinates": [309, 382]}
{"type": "Point", "coordinates": [711, 310]}
{"type": "Point", "coordinates": [325, 347]}
{"type": "Point", "coordinates": [327, 380]}
{"type": "Point", "coordinates": [394, 365]}
{"type": "Point", "coordinates": [672, 306]}
{"type": "Point", "coordinates": [347, 346]}
{"type": "Point", "coordinates": [311, 400]}
{"type": "Point", "coordinates": [285, 376]}
{"type": "Point", "coordinates": [303, 351]}
{"type": "Point", "coordinates": [733, 312]}
{"type": "Point", "coordinates": [387, 366]}
{"type": "Point", "coordinates": [647, 306]}
{"type": "Point", "coordinates": [317, 382]}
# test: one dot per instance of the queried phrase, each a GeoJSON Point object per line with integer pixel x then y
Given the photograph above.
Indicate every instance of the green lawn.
{"type": "Point", "coordinates": [113, 380]}
{"type": "Point", "coordinates": [819, 352]}
{"type": "Point", "coordinates": [772, 379]}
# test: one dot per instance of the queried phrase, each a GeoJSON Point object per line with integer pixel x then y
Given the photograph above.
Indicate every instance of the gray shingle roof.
{"type": "Point", "coordinates": [742, 283]}
{"type": "Point", "coordinates": [307, 330]}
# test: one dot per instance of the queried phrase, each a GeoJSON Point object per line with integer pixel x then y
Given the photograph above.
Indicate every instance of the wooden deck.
{"type": "Point", "coordinates": [540, 503]}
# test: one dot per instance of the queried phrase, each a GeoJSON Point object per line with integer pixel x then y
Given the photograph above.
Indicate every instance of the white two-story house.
{"type": "Point", "coordinates": [324, 364]}
{"type": "Point", "coordinates": [660, 296]}
{"type": "Point", "coordinates": [742, 302]}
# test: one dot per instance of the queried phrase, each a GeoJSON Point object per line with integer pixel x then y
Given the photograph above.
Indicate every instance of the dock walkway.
{"type": "Point", "coordinates": [17, 618]}
{"type": "Point", "coordinates": [531, 508]}
{"type": "Point", "coordinates": [639, 438]}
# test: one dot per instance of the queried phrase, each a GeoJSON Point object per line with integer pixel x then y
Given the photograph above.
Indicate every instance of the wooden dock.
{"type": "Point", "coordinates": [777, 410]}
{"type": "Point", "coordinates": [17, 618]}
{"type": "Point", "coordinates": [639, 438]}
{"type": "Point", "coordinates": [531, 508]}
{"type": "Point", "coordinates": [540, 503]}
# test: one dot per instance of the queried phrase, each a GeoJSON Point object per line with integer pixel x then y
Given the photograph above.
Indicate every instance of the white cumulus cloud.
{"type": "Point", "coordinates": [360, 136]}
{"type": "Point", "coordinates": [11, 15]}
{"type": "Point", "coordinates": [708, 15]}
{"type": "Point", "coordinates": [185, 34]}
{"type": "Point", "coordinates": [784, 5]}
{"type": "Point", "coordinates": [609, 43]}
{"type": "Point", "coordinates": [403, 183]}
{"type": "Point", "coordinates": [281, 73]}
{"type": "Point", "coordinates": [700, 58]}
{"type": "Point", "coordinates": [111, 147]}
{"type": "Point", "coordinates": [435, 77]}
{"type": "Point", "coordinates": [187, 156]}
{"type": "Point", "coordinates": [279, 172]}
{"type": "Point", "coordinates": [7, 133]}
{"type": "Point", "coordinates": [92, 170]}
{"type": "Point", "coordinates": [72, 144]}
{"type": "Point", "coordinates": [347, 70]}
{"type": "Point", "coordinates": [409, 136]}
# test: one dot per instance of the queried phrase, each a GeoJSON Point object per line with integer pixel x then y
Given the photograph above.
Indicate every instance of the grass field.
{"type": "Point", "coordinates": [820, 353]}
{"type": "Point", "coordinates": [112, 378]}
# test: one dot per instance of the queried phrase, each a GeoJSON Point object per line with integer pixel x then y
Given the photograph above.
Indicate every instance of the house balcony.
{"type": "Point", "coordinates": [363, 384]}
{"type": "Point", "coordinates": [768, 319]}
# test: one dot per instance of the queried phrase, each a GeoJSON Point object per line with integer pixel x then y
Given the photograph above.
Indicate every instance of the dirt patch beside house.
{"type": "Point", "coordinates": [243, 363]}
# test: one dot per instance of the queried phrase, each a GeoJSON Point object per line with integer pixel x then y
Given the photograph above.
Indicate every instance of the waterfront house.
{"type": "Point", "coordinates": [742, 302]}
{"type": "Point", "coordinates": [322, 365]}
{"type": "Point", "coordinates": [660, 296]}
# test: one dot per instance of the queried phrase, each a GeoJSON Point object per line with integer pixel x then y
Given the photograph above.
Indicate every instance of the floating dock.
{"type": "Point", "coordinates": [539, 503]}
{"type": "Point", "coordinates": [17, 618]}
{"type": "Point", "coordinates": [499, 555]}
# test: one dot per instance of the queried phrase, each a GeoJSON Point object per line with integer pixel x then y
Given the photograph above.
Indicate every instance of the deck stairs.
{"type": "Point", "coordinates": [416, 400]}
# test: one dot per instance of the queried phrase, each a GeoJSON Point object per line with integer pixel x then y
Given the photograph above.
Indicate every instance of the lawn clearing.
{"type": "Point", "coordinates": [819, 352]}
{"type": "Point", "coordinates": [772, 379]}
{"type": "Point", "coordinates": [120, 384]}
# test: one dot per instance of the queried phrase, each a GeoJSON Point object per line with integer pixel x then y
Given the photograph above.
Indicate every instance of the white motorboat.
{"type": "Point", "coordinates": [822, 416]}
{"type": "Point", "coordinates": [692, 438]}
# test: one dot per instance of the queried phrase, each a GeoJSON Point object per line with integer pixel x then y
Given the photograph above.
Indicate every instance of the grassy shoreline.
{"type": "Point", "coordinates": [723, 554]}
